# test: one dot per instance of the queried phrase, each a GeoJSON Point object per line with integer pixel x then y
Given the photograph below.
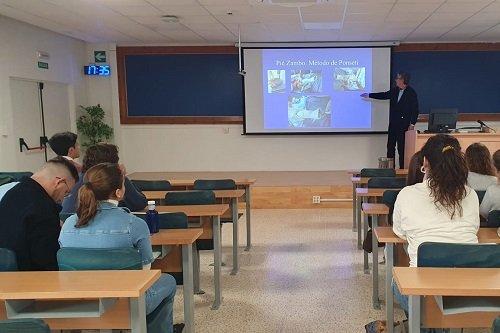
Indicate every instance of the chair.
{"type": "Point", "coordinates": [64, 216]}
{"type": "Point", "coordinates": [496, 326]}
{"type": "Point", "coordinates": [6, 179]}
{"type": "Point", "coordinates": [8, 261]}
{"type": "Point", "coordinates": [376, 172]}
{"type": "Point", "coordinates": [432, 254]}
{"type": "Point", "coordinates": [76, 259]}
{"type": "Point", "coordinates": [152, 185]}
{"type": "Point", "coordinates": [216, 184]}
{"type": "Point", "coordinates": [28, 325]}
{"type": "Point", "coordinates": [386, 182]}
{"type": "Point", "coordinates": [480, 195]}
{"type": "Point", "coordinates": [193, 198]}
{"type": "Point", "coordinates": [493, 220]}
{"type": "Point", "coordinates": [389, 198]}
{"type": "Point", "coordinates": [16, 176]}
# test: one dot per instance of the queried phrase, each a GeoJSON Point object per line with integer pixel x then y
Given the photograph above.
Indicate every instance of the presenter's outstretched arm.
{"type": "Point", "coordinates": [379, 95]}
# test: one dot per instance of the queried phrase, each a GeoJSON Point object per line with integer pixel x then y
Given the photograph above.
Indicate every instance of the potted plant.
{"type": "Point", "coordinates": [92, 126]}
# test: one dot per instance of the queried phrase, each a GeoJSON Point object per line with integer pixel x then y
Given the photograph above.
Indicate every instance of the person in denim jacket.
{"type": "Point", "coordinates": [100, 223]}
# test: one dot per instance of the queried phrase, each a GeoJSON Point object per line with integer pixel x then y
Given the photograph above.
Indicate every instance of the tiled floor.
{"type": "Point", "coordinates": [303, 274]}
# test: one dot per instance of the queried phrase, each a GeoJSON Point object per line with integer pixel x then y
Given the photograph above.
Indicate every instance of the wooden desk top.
{"type": "Point", "coordinates": [371, 192]}
{"type": "Point", "coordinates": [360, 180]}
{"type": "Point", "coordinates": [484, 235]}
{"type": "Point", "coordinates": [75, 284]}
{"type": "Point", "coordinates": [399, 172]}
{"type": "Point", "coordinates": [195, 210]}
{"type": "Point", "coordinates": [176, 236]}
{"type": "Point", "coordinates": [188, 181]}
{"type": "Point", "coordinates": [375, 209]}
{"type": "Point", "coordinates": [448, 281]}
{"type": "Point", "coordinates": [219, 194]}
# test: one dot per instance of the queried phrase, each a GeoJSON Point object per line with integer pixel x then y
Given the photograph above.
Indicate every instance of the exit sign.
{"type": "Point", "coordinates": [43, 65]}
{"type": "Point", "coordinates": [100, 56]}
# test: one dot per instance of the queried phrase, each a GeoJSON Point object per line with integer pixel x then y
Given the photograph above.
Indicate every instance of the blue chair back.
{"type": "Point", "coordinates": [377, 172]}
{"type": "Point", "coordinates": [28, 325]}
{"type": "Point", "coordinates": [386, 182]}
{"type": "Point", "coordinates": [16, 176]}
{"type": "Point", "coordinates": [64, 216]}
{"type": "Point", "coordinates": [178, 198]}
{"type": "Point", "coordinates": [8, 260]}
{"type": "Point", "coordinates": [496, 325]}
{"type": "Point", "coordinates": [169, 220]}
{"type": "Point", "coordinates": [6, 180]}
{"type": "Point", "coordinates": [493, 220]}
{"type": "Point", "coordinates": [152, 185]}
{"type": "Point", "coordinates": [85, 259]}
{"type": "Point", "coordinates": [432, 254]}
{"type": "Point", "coordinates": [216, 184]}
{"type": "Point", "coordinates": [480, 195]}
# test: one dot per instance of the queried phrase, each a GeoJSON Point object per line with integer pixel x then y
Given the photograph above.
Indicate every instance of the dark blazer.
{"type": "Point", "coordinates": [402, 113]}
{"type": "Point", "coordinates": [30, 226]}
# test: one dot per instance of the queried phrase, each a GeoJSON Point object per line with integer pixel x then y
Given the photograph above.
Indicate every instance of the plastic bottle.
{"type": "Point", "coordinates": [152, 218]}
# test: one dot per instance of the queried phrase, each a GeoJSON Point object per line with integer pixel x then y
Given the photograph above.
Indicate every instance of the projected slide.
{"type": "Point", "coordinates": [315, 89]}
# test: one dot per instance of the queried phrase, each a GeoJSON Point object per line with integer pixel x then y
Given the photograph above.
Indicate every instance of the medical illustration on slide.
{"type": "Point", "coordinates": [349, 78]}
{"type": "Point", "coordinates": [309, 111]}
{"type": "Point", "coordinates": [276, 81]}
{"type": "Point", "coordinates": [306, 81]}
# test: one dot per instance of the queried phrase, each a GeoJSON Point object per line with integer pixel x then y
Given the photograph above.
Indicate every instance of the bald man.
{"type": "Point", "coordinates": [29, 215]}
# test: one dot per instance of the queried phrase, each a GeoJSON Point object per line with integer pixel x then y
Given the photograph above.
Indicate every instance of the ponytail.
{"type": "Point", "coordinates": [87, 205]}
{"type": "Point", "coordinates": [100, 183]}
{"type": "Point", "coordinates": [448, 173]}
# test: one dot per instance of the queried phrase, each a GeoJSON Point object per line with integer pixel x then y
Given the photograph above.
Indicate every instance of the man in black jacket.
{"type": "Point", "coordinates": [29, 215]}
{"type": "Point", "coordinates": [403, 114]}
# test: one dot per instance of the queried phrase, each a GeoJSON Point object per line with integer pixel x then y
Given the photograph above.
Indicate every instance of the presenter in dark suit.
{"type": "Point", "coordinates": [403, 114]}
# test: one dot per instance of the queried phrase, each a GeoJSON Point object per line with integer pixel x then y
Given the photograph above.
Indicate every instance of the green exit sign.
{"type": "Point", "coordinates": [43, 65]}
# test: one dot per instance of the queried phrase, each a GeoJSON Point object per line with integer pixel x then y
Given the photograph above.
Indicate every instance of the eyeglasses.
{"type": "Point", "coordinates": [68, 190]}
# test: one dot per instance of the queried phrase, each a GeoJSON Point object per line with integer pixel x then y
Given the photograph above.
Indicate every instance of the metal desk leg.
{"type": "Point", "coordinates": [376, 301]}
{"type": "Point", "coordinates": [365, 254]}
{"type": "Point", "coordinates": [196, 271]}
{"type": "Point", "coordinates": [358, 220]}
{"type": "Point", "coordinates": [353, 207]}
{"type": "Point", "coordinates": [389, 297]}
{"type": "Point", "coordinates": [217, 262]}
{"type": "Point", "coordinates": [249, 229]}
{"type": "Point", "coordinates": [414, 314]}
{"type": "Point", "coordinates": [234, 211]}
{"type": "Point", "coordinates": [187, 273]}
{"type": "Point", "coordinates": [138, 314]}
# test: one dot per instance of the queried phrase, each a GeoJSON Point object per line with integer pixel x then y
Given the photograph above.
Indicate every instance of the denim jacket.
{"type": "Point", "coordinates": [112, 227]}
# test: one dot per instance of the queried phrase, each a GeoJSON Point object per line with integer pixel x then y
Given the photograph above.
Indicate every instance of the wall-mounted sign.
{"type": "Point", "coordinates": [99, 70]}
{"type": "Point", "coordinates": [100, 56]}
{"type": "Point", "coordinates": [43, 65]}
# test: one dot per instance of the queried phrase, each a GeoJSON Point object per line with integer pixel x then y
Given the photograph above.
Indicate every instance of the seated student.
{"type": "Point", "coordinates": [415, 173]}
{"type": "Point", "coordinates": [442, 208]}
{"type": "Point", "coordinates": [29, 215]}
{"type": "Point", "coordinates": [65, 145]}
{"type": "Point", "coordinates": [481, 171]}
{"type": "Point", "coordinates": [100, 223]}
{"type": "Point", "coordinates": [105, 153]}
{"type": "Point", "coordinates": [491, 200]}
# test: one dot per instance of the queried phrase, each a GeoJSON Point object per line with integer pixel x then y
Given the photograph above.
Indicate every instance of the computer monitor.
{"type": "Point", "coordinates": [442, 120]}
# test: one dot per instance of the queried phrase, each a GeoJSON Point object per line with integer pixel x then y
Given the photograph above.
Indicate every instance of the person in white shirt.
{"type": "Point", "coordinates": [442, 208]}
{"type": "Point", "coordinates": [491, 200]}
{"type": "Point", "coordinates": [481, 171]}
{"type": "Point", "coordinates": [65, 144]}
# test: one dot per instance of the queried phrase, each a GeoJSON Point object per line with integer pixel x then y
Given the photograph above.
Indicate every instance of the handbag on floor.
{"type": "Point", "coordinates": [367, 243]}
{"type": "Point", "coordinates": [380, 326]}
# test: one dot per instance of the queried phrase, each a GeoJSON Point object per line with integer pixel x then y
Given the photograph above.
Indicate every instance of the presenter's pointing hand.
{"type": "Point", "coordinates": [364, 95]}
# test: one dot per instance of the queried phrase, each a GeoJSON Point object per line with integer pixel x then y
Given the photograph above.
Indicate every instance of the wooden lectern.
{"type": "Point", "coordinates": [415, 141]}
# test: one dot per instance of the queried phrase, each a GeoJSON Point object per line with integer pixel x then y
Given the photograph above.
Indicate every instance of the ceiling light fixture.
{"type": "Point", "coordinates": [170, 19]}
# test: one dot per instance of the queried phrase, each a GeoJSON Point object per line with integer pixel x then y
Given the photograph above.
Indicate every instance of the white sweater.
{"type": "Point", "coordinates": [480, 182]}
{"type": "Point", "coordinates": [491, 200]}
{"type": "Point", "coordinates": [417, 219]}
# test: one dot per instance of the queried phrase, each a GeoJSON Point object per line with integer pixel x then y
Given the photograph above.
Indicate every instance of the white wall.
{"type": "Point", "coordinates": [210, 148]}
{"type": "Point", "coordinates": [19, 44]}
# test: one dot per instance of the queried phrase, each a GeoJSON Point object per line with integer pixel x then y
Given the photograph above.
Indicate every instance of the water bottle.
{"type": "Point", "coordinates": [152, 218]}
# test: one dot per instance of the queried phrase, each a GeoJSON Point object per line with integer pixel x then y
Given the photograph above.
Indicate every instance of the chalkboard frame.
{"type": "Point", "coordinates": [122, 52]}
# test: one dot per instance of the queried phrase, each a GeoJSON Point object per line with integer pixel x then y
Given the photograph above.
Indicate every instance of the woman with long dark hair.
{"type": "Point", "coordinates": [491, 200]}
{"type": "Point", "coordinates": [100, 223]}
{"type": "Point", "coordinates": [440, 209]}
{"type": "Point", "coordinates": [481, 171]}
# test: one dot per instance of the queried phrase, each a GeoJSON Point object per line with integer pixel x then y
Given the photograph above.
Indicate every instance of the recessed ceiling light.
{"type": "Point", "coordinates": [170, 18]}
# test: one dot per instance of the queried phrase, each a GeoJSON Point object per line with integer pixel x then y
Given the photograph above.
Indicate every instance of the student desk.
{"type": "Point", "coordinates": [214, 212]}
{"type": "Point", "coordinates": [356, 182]}
{"type": "Point", "coordinates": [185, 238]}
{"type": "Point", "coordinates": [233, 195]}
{"type": "Point", "coordinates": [188, 183]}
{"type": "Point", "coordinates": [78, 299]}
{"type": "Point", "coordinates": [387, 236]}
{"type": "Point", "coordinates": [375, 210]}
{"type": "Point", "coordinates": [425, 281]}
{"type": "Point", "coordinates": [399, 172]}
